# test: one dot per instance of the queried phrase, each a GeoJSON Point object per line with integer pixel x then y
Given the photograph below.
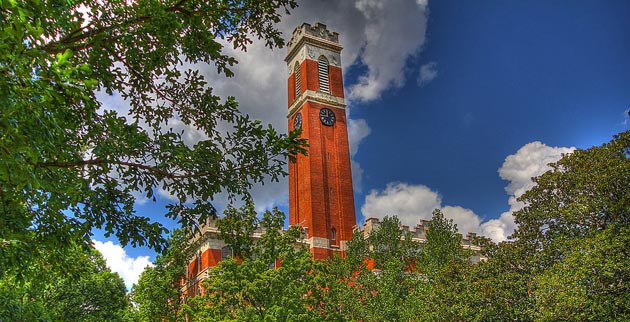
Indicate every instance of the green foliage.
{"type": "Point", "coordinates": [569, 258]}
{"type": "Point", "coordinates": [236, 229]}
{"type": "Point", "coordinates": [590, 283]}
{"type": "Point", "coordinates": [443, 247]}
{"type": "Point", "coordinates": [253, 289]}
{"type": "Point", "coordinates": [494, 290]}
{"type": "Point", "coordinates": [568, 261]}
{"type": "Point", "coordinates": [17, 302]}
{"type": "Point", "coordinates": [584, 193]}
{"type": "Point", "coordinates": [374, 282]}
{"type": "Point", "coordinates": [156, 295]}
{"type": "Point", "coordinates": [444, 263]}
{"type": "Point", "coordinates": [573, 234]}
{"type": "Point", "coordinates": [67, 165]}
{"type": "Point", "coordinates": [98, 295]}
{"type": "Point", "coordinates": [91, 293]}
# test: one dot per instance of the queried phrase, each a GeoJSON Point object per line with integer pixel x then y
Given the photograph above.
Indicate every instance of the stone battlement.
{"type": "Point", "coordinates": [318, 35]}
{"type": "Point", "coordinates": [418, 233]}
{"type": "Point", "coordinates": [319, 30]}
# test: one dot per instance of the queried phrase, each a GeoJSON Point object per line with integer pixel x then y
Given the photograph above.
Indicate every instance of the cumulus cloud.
{"type": "Point", "coordinates": [408, 202]}
{"type": "Point", "coordinates": [357, 176]}
{"type": "Point", "coordinates": [518, 169]}
{"type": "Point", "coordinates": [129, 268]}
{"type": "Point", "coordinates": [394, 32]}
{"type": "Point", "coordinates": [357, 131]}
{"type": "Point", "coordinates": [428, 72]}
{"type": "Point", "coordinates": [467, 221]}
{"type": "Point", "coordinates": [411, 203]}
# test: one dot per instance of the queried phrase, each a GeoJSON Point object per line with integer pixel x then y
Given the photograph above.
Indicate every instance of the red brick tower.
{"type": "Point", "coordinates": [320, 185]}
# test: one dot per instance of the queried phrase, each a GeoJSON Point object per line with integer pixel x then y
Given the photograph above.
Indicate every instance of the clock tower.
{"type": "Point", "coordinates": [321, 199]}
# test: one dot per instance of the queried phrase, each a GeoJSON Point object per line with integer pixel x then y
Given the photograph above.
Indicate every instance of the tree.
{"type": "Point", "coordinates": [443, 263]}
{"type": "Point", "coordinates": [573, 234]}
{"type": "Point", "coordinates": [568, 260]}
{"type": "Point", "coordinates": [374, 281]}
{"type": "Point", "coordinates": [584, 193]}
{"type": "Point", "coordinates": [157, 293]}
{"type": "Point", "coordinates": [97, 295]}
{"type": "Point", "coordinates": [89, 293]}
{"type": "Point", "coordinates": [443, 246]}
{"type": "Point", "coordinates": [253, 288]}
{"type": "Point", "coordinates": [498, 289]}
{"type": "Point", "coordinates": [236, 228]}
{"type": "Point", "coordinates": [590, 283]}
{"type": "Point", "coordinates": [69, 165]}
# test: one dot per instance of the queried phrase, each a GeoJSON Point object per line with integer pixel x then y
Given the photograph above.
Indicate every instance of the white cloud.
{"type": "Point", "coordinates": [357, 131]}
{"type": "Point", "coordinates": [129, 268]}
{"type": "Point", "coordinates": [411, 203]}
{"type": "Point", "coordinates": [518, 169]}
{"type": "Point", "coordinates": [467, 221]}
{"type": "Point", "coordinates": [357, 176]}
{"type": "Point", "coordinates": [394, 31]}
{"type": "Point", "coordinates": [428, 72]}
{"type": "Point", "coordinates": [408, 202]}
{"type": "Point", "coordinates": [499, 229]}
{"type": "Point", "coordinates": [529, 161]}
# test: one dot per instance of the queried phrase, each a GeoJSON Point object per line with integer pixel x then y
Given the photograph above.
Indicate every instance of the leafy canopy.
{"type": "Point", "coordinates": [68, 164]}
{"type": "Point", "coordinates": [252, 287]}
{"type": "Point", "coordinates": [91, 293]}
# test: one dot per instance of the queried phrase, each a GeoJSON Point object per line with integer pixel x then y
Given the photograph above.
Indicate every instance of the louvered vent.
{"type": "Point", "coordinates": [322, 65]}
{"type": "Point", "coordinates": [297, 80]}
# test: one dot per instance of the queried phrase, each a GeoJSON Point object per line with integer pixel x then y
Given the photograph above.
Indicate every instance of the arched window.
{"type": "Point", "coordinates": [333, 234]}
{"type": "Point", "coordinates": [297, 80]}
{"type": "Point", "coordinates": [322, 67]}
{"type": "Point", "coordinates": [226, 252]}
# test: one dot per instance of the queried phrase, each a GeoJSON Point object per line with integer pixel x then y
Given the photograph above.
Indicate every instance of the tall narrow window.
{"type": "Point", "coordinates": [297, 80]}
{"type": "Point", "coordinates": [322, 66]}
{"type": "Point", "coordinates": [198, 263]}
{"type": "Point", "coordinates": [226, 252]}
{"type": "Point", "coordinates": [333, 234]}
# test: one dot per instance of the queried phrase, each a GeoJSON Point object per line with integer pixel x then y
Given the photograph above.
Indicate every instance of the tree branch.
{"type": "Point", "coordinates": [57, 46]}
{"type": "Point", "coordinates": [153, 169]}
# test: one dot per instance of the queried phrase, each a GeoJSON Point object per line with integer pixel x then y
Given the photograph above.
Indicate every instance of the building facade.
{"type": "Point", "coordinates": [321, 199]}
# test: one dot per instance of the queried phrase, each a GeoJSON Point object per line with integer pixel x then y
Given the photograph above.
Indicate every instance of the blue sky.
{"type": "Point", "coordinates": [453, 104]}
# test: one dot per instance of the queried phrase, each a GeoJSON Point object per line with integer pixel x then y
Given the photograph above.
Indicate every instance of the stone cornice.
{"type": "Point", "coordinates": [316, 97]}
{"type": "Point", "coordinates": [312, 40]}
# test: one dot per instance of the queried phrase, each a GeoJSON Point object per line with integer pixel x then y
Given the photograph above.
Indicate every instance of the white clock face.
{"type": "Point", "coordinates": [327, 116]}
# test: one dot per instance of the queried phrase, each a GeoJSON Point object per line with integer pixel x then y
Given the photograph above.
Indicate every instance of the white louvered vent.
{"type": "Point", "coordinates": [322, 66]}
{"type": "Point", "coordinates": [297, 80]}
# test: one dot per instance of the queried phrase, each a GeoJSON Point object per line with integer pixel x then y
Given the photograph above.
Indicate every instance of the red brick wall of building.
{"type": "Point", "coordinates": [320, 184]}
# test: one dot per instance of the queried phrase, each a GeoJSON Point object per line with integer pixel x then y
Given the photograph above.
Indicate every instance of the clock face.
{"type": "Point", "coordinates": [297, 122]}
{"type": "Point", "coordinates": [327, 116]}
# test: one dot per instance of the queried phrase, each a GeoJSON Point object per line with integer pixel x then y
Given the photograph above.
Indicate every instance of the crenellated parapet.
{"type": "Point", "coordinates": [317, 33]}
{"type": "Point", "coordinates": [419, 234]}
